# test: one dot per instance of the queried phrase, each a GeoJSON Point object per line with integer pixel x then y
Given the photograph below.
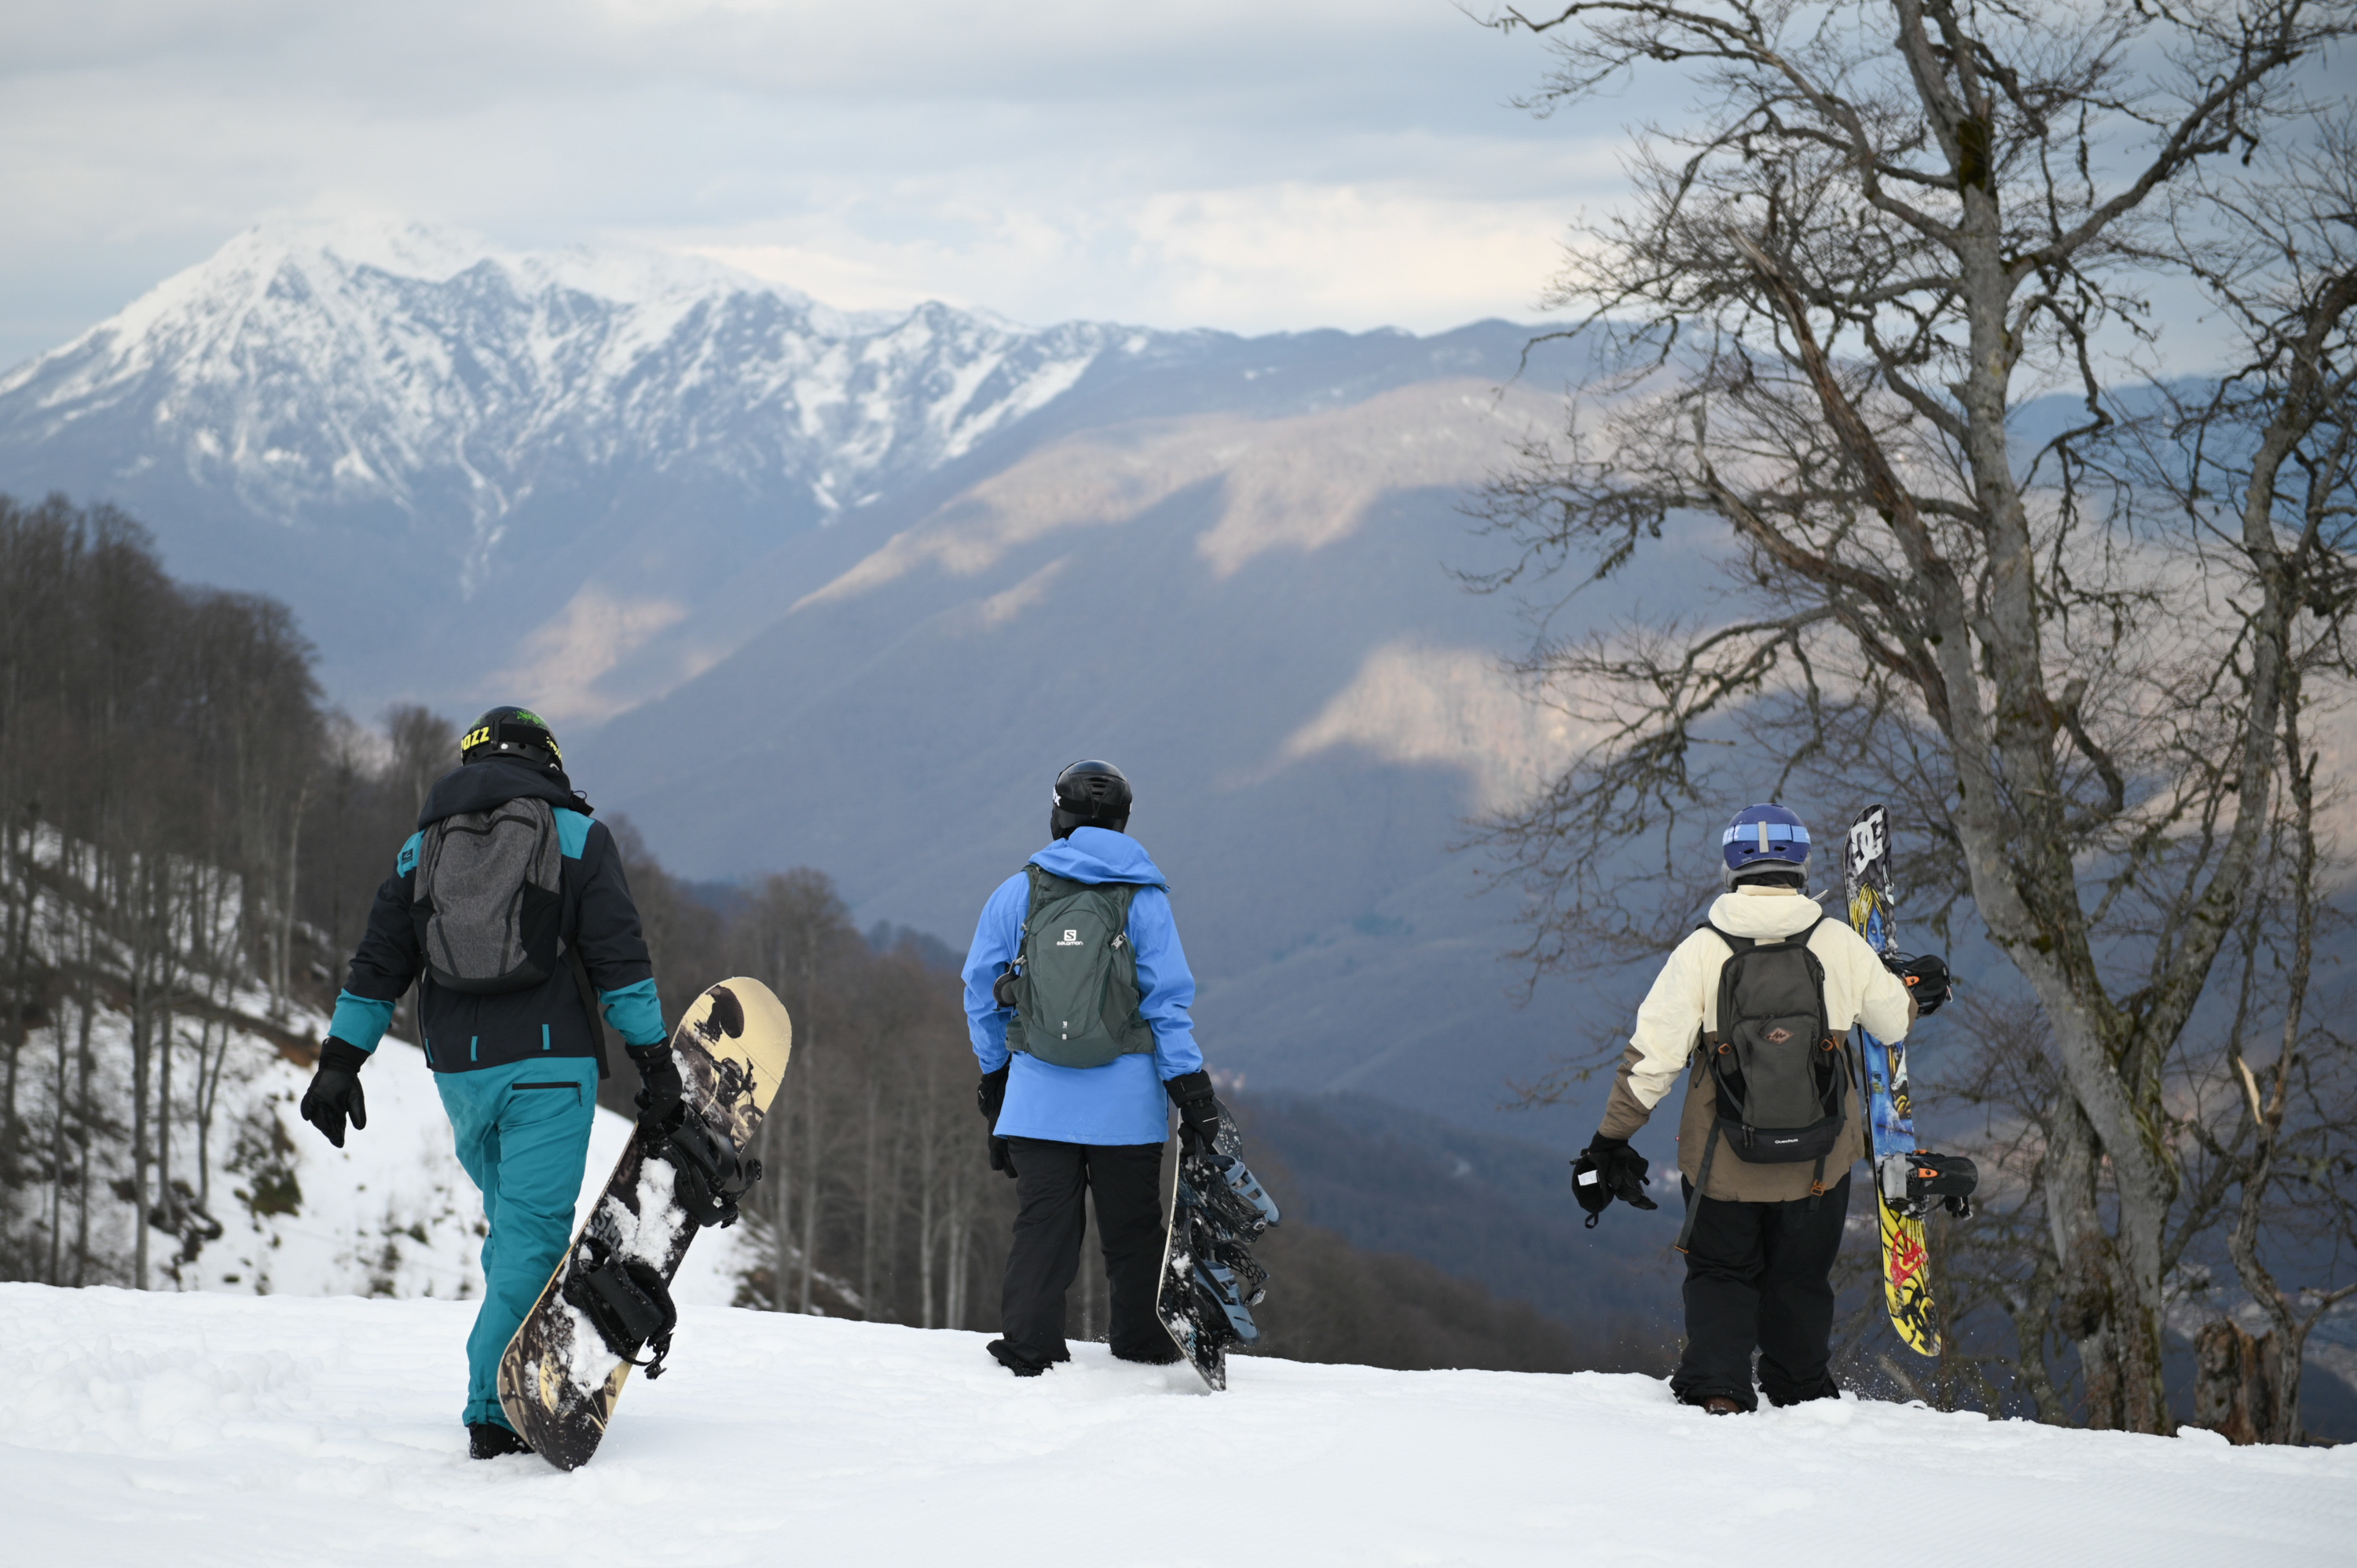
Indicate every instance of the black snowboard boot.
{"type": "Point", "coordinates": [1162, 1355]}
{"type": "Point", "coordinates": [1017, 1362]}
{"type": "Point", "coordinates": [490, 1440]}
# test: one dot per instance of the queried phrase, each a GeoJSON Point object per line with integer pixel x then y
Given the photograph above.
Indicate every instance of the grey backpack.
{"type": "Point", "coordinates": [489, 903]}
{"type": "Point", "coordinates": [1075, 980]}
{"type": "Point", "coordinates": [1774, 1063]}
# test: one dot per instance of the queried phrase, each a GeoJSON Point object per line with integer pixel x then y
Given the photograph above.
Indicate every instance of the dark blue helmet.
{"type": "Point", "coordinates": [1763, 839]}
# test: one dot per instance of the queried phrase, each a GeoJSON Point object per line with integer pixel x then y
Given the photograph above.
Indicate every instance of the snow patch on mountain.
{"type": "Point", "coordinates": [309, 371]}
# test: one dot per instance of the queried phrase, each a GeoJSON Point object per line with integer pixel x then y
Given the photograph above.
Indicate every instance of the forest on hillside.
{"type": "Point", "coordinates": [190, 840]}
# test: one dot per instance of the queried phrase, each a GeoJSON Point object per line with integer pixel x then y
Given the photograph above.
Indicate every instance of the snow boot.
{"type": "Point", "coordinates": [1017, 1362]}
{"type": "Point", "coordinates": [490, 1440]}
{"type": "Point", "coordinates": [1164, 1355]}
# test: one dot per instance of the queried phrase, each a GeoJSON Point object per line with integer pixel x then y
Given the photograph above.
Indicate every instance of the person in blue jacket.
{"type": "Point", "coordinates": [1065, 1130]}
{"type": "Point", "coordinates": [518, 1068]}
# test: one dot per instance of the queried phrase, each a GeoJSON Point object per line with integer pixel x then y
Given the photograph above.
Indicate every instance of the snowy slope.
{"type": "Point", "coordinates": [391, 1213]}
{"type": "Point", "coordinates": [204, 1430]}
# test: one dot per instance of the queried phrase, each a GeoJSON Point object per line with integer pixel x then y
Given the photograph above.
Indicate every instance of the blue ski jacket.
{"type": "Point", "coordinates": [1122, 1101]}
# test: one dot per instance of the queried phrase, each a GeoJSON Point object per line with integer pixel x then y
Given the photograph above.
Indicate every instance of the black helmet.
{"type": "Point", "coordinates": [1088, 795]}
{"type": "Point", "coordinates": [510, 732]}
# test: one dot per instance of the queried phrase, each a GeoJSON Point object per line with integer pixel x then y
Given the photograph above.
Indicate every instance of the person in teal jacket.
{"type": "Point", "coordinates": [1066, 1132]}
{"type": "Point", "coordinates": [518, 1068]}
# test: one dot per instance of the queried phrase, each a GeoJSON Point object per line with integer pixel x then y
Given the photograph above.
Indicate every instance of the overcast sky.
{"type": "Point", "coordinates": [1255, 164]}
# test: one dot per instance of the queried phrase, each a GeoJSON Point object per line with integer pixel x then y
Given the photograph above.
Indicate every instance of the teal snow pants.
{"type": "Point", "coordinates": [523, 1136]}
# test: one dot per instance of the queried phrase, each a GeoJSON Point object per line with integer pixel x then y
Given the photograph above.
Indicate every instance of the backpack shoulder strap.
{"type": "Point", "coordinates": [1733, 943]}
{"type": "Point", "coordinates": [1736, 947]}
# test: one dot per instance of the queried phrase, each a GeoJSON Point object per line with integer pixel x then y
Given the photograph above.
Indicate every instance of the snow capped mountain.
{"type": "Point", "coordinates": [305, 373]}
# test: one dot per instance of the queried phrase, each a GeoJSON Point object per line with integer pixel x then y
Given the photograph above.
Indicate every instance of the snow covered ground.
{"type": "Point", "coordinates": [199, 1428]}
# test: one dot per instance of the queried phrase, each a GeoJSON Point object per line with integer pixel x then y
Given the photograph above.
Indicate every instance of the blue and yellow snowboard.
{"type": "Point", "coordinates": [1891, 1110]}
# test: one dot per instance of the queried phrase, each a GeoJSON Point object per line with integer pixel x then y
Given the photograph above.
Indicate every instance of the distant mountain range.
{"type": "Point", "coordinates": [801, 586]}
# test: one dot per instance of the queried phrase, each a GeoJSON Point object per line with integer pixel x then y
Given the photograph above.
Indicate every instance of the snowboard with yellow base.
{"type": "Point", "coordinates": [609, 1298]}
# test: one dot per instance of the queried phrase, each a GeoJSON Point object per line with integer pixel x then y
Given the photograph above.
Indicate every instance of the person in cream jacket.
{"type": "Point", "coordinates": [1761, 1250]}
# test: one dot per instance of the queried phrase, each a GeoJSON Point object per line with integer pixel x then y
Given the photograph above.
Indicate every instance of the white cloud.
{"type": "Point", "coordinates": [1246, 165]}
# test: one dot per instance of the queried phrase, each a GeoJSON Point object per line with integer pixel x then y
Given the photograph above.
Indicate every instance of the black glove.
{"type": "Point", "coordinates": [1608, 1168]}
{"type": "Point", "coordinates": [1927, 977]}
{"type": "Point", "coordinates": [660, 1090]}
{"type": "Point", "coordinates": [1199, 1108]}
{"type": "Point", "coordinates": [334, 1091]}
{"type": "Point", "coordinates": [989, 1095]}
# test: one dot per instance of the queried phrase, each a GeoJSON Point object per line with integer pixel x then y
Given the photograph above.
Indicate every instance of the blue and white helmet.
{"type": "Point", "coordinates": [1764, 838]}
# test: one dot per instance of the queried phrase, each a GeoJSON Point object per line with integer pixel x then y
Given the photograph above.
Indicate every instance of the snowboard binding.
{"type": "Point", "coordinates": [708, 1178]}
{"type": "Point", "coordinates": [1221, 1286]}
{"type": "Point", "coordinates": [1915, 1184]}
{"type": "Point", "coordinates": [1224, 1209]}
{"type": "Point", "coordinates": [626, 1301]}
{"type": "Point", "coordinates": [1246, 1185]}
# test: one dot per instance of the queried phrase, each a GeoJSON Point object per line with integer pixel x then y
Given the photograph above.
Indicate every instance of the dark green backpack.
{"type": "Point", "coordinates": [1075, 981]}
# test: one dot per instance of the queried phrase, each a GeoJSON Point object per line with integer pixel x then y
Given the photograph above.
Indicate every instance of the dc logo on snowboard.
{"type": "Point", "coordinates": [1071, 939]}
{"type": "Point", "coordinates": [1867, 840]}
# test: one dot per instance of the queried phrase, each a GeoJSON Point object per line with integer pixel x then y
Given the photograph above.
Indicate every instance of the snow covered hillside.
{"type": "Point", "coordinates": [206, 1430]}
{"type": "Point", "coordinates": [388, 1214]}
{"type": "Point", "coordinates": [260, 1203]}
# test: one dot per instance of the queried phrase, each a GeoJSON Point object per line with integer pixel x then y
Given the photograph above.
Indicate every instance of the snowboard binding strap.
{"type": "Point", "coordinates": [1915, 1184]}
{"type": "Point", "coordinates": [1218, 1284]}
{"type": "Point", "coordinates": [708, 1178]}
{"type": "Point", "coordinates": [627, 1301]}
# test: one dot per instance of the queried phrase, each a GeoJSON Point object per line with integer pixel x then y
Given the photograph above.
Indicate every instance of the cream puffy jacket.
{"type": "Point", "coordinates": [1684, 1003]}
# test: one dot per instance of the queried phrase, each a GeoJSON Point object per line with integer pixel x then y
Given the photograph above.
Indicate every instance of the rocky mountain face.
{"type": "Point", "coordinates": [808, 587]}
{"type": "Point", "coordinates": [403, 433]}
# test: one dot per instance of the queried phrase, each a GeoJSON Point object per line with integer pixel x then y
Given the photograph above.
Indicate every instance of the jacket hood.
{"type": "Point", "coordinates": [477, 786]}
{"type": "Point", "coordinates": [1100, 854]}
{"type": "Point", "coordinates": [1764, 912]}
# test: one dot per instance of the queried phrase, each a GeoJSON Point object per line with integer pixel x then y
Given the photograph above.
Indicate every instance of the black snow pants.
{"type": "Point", "coordinates": [1760, 1276]}
{"type": "Point", "coordinates": [1051, 1180]}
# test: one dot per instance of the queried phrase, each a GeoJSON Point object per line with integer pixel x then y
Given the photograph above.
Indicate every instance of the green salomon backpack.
{"type": "Point", "coordinates": [1075, 980]}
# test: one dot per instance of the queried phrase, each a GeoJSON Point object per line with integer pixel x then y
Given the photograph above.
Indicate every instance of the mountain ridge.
{"type": "Point", "coordinates": [435, 446]}
{"type": "Point", "coordinates": [608, 505]}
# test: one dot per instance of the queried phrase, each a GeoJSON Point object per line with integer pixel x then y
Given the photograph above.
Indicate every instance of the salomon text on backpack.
{"type": "Point", "coordinates": [1075, 986]}
{"type": "Point", "coordinates": [1773, 1062]}
{"type": "Point", "coordinates": [489, 898]}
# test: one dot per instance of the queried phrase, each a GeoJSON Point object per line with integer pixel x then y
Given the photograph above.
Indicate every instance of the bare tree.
{"type": "Point", "coordinates": [1889, 227]}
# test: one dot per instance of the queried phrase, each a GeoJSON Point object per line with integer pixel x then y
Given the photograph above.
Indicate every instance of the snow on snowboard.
{"type": "Point", "coordinates": [1210, 1281]}
{"type": "Point", "coordinates": [1889, 1107]}
{"type": "Point", "coordinates": [609, 1297]}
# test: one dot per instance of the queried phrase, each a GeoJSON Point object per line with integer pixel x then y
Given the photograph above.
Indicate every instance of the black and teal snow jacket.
{"type": "Point", "coordinates": [463, 1031]}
